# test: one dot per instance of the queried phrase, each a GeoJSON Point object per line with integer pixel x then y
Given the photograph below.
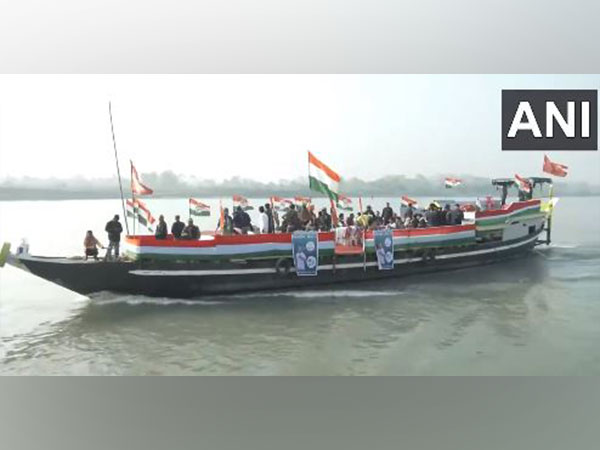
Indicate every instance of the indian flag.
{"type": "Point", "coordinates": [523, 184]}
{"type": "Point", "coordinates": [239, 200]}
{"type": "Point", "coordinates": [198, 208]}
{"type": "Point", "coordinates": [138, 210]}
{"type": "Point", "coordinates": [302, 199]}
{"type": "Point", "coordinates": [452, 182]}
{"type": "Point", "coordinates": [280, 203]}
{"type": "Point", "coordinates": [345, 203]}
{"type": "Point", "coordinates": [321, 178]}
{"type": "Point", "coordinates": [407, 201]}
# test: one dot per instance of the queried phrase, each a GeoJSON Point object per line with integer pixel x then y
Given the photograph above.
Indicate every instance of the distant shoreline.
{"type": "Point", "coordinates": [170, 185]}
{"type": "Point", "coordinates": [59, 196]}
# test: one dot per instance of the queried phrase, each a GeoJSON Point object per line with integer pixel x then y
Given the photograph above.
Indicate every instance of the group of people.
{"type": "Point", "coordinates": [113, 229]}
{"type": "Point", "coordinates": [294, 219]}
{"type": "Point", "coordinates": [179, 230]}
{"type": "Point", "coordinates": [303, 217]}
{"type": "Point", "coordinates": [91, 244]}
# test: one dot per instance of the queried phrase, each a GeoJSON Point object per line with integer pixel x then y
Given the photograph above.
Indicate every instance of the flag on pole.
{"type": "Point", "coordinates": [556, 169]}
{"type": "Point", "coordinates": [334, 214]}
{"type": "Point", "coordinates": [198, 208]}
{"type": "Point", "coordinates": [221, 217]}
{"type": "Point", "coordinates": [523, 184]}
{"type": "Point", "coordinates": [360, 208]}
{"type": "Point", "coordinates": [138, 210]}
{"type": "Point", "coordinates": [452, 182]}
{"type": "Point", "coordinates": [239, 200]}
{"type": "Point", "coordinates": [137, 187]}
{"type": "Point", "coordinates": [321, 178]}
{"type": "Point", "coordinates": [407, 201]}
{"type": "Point", "coordinates": [346, 203]}
{"type": "Point", "coordinates": [301, 199]}
{"type": "Point", "coordinates": [279, 203]}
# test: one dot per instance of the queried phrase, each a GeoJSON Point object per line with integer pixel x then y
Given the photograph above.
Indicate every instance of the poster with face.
{"type": "Point", "coordinates": [305, 251]}
{"type": "Point", "coordinates": [384, 249]}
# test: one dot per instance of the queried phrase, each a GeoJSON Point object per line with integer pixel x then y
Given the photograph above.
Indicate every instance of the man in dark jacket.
{"type": "Point", "coordinates": [161, 229]}
{"type": "Point", "coordinates": [291, 221]}
{"type": "Point", "coordinates": [177, 228]}
{"type": "Point", "coordinates": [387, 213]}
{"type": "Point", "coordinates": [241, 221]}
{"type": "Point", "coordinates": [269, 213]}
{"type": "Point", "coordinates": [191, 231]}
{"type": "Point", "coordinates": [114, 230]}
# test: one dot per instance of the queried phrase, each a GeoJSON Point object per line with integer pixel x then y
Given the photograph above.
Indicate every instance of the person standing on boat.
{"type": "Point", "coordinates": [114, 230]}
{"type": "Point", "coordinates": [291, 220]}
{"type": "Point", "coordinates": [177, 228]}
{"type": "Point", "coordinates": [271, 223]}
{"type": "Point", "coordinates": [91, 244]}
{"type": "Point", "coordinates": [161, 229]}
{"type": "Point", "coordinates": [504, 194]}
{"type": "Point", "coordinates": [387, 213]}
{"type": "Point", "coordinates": [263, 220]}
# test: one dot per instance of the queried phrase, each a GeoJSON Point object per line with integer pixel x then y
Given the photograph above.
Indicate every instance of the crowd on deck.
{"type": "Point", "coordinates": [303, 217]}
{"type": "Point", "coordinates": [295, 218]}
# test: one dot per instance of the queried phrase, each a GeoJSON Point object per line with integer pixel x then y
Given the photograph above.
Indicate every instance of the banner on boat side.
{"type": "Point", "coordinates": [305, 251]}
{"type": "Point", "coordinates": [384, 248]}
{"type": "Point", "coordinates": [349, 241]}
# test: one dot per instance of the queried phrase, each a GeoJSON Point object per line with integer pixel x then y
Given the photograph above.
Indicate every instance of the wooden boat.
{"type": "Point", "coordinates": [242, 263]}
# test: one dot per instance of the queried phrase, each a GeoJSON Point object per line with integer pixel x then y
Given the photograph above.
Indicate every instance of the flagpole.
{"type": "Point", "coordinates": [112, 129]}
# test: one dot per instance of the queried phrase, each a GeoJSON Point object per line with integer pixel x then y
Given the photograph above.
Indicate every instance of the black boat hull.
{"type": "Point", "coordinates": [190, 280]}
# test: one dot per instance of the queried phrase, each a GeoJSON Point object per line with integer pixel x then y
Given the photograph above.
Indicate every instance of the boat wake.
{"type": "Point", "coordinates": [107, 298]}
{"type": "Point", "coordinates": [338, 293]}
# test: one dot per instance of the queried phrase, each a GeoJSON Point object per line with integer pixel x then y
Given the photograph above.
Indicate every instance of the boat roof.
{"type": "Point", "coordinates": [510, 181]}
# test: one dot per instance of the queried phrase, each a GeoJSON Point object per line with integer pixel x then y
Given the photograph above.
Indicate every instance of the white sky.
{"type": "Point", "coordinates": [260, 126]}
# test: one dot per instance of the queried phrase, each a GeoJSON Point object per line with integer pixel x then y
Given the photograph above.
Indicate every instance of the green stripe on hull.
{"type": "Point", "coordinates": [502, 221]}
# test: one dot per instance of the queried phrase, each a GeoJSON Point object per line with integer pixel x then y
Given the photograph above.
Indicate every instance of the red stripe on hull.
{"type": "Point", "coordinates": [279, 238]}
{"type": "Point", "coordinates": [515, 206]}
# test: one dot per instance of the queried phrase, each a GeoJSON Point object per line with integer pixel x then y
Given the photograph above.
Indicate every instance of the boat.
{"type": "Point", "coordinates": [225, 264]}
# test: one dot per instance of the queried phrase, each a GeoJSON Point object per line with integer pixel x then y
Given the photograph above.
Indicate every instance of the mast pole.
{"type": "Point", "coordinates": [112, 129]}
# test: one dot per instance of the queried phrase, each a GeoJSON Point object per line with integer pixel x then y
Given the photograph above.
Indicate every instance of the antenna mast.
{"type": "Point", "coordinates": [112, 129]}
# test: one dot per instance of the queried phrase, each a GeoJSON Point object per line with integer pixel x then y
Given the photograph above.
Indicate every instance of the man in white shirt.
{"type": "Point", "coordinates": [263, 220]}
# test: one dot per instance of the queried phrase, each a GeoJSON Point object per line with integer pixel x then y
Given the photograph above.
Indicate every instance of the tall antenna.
{"type": "Point", "coordinates": [112, 129]}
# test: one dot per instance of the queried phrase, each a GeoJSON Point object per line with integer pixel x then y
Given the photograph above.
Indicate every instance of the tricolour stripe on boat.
{"type": "Point", "coordinates": [179, 273]}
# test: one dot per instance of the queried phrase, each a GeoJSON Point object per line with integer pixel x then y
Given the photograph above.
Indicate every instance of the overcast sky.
{"type": "Point", "coordinates": [260, 126]}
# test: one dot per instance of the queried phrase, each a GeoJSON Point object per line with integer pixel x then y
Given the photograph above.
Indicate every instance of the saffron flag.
{"type": "Point", "coordinates": [137, 187]}
{"type": "Point", "coordinates": [452, 182]}
{"type": "Point", "coordinates": [221, 217]}
{"type": "Point", "coordinates": [523, 184]}
{"type": "Point", "coordinates": [407, 201]}
{"type": "Point", "coordinates": [321, 178]}
{"type": "Point", "coordinates": [556, 169]}
{"type": "Point", "coordinates": [198, 208]}
{"type": "Point", "coordinates": [138, 210]}
{"type": "Point", "coordinates": [238, 200]}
